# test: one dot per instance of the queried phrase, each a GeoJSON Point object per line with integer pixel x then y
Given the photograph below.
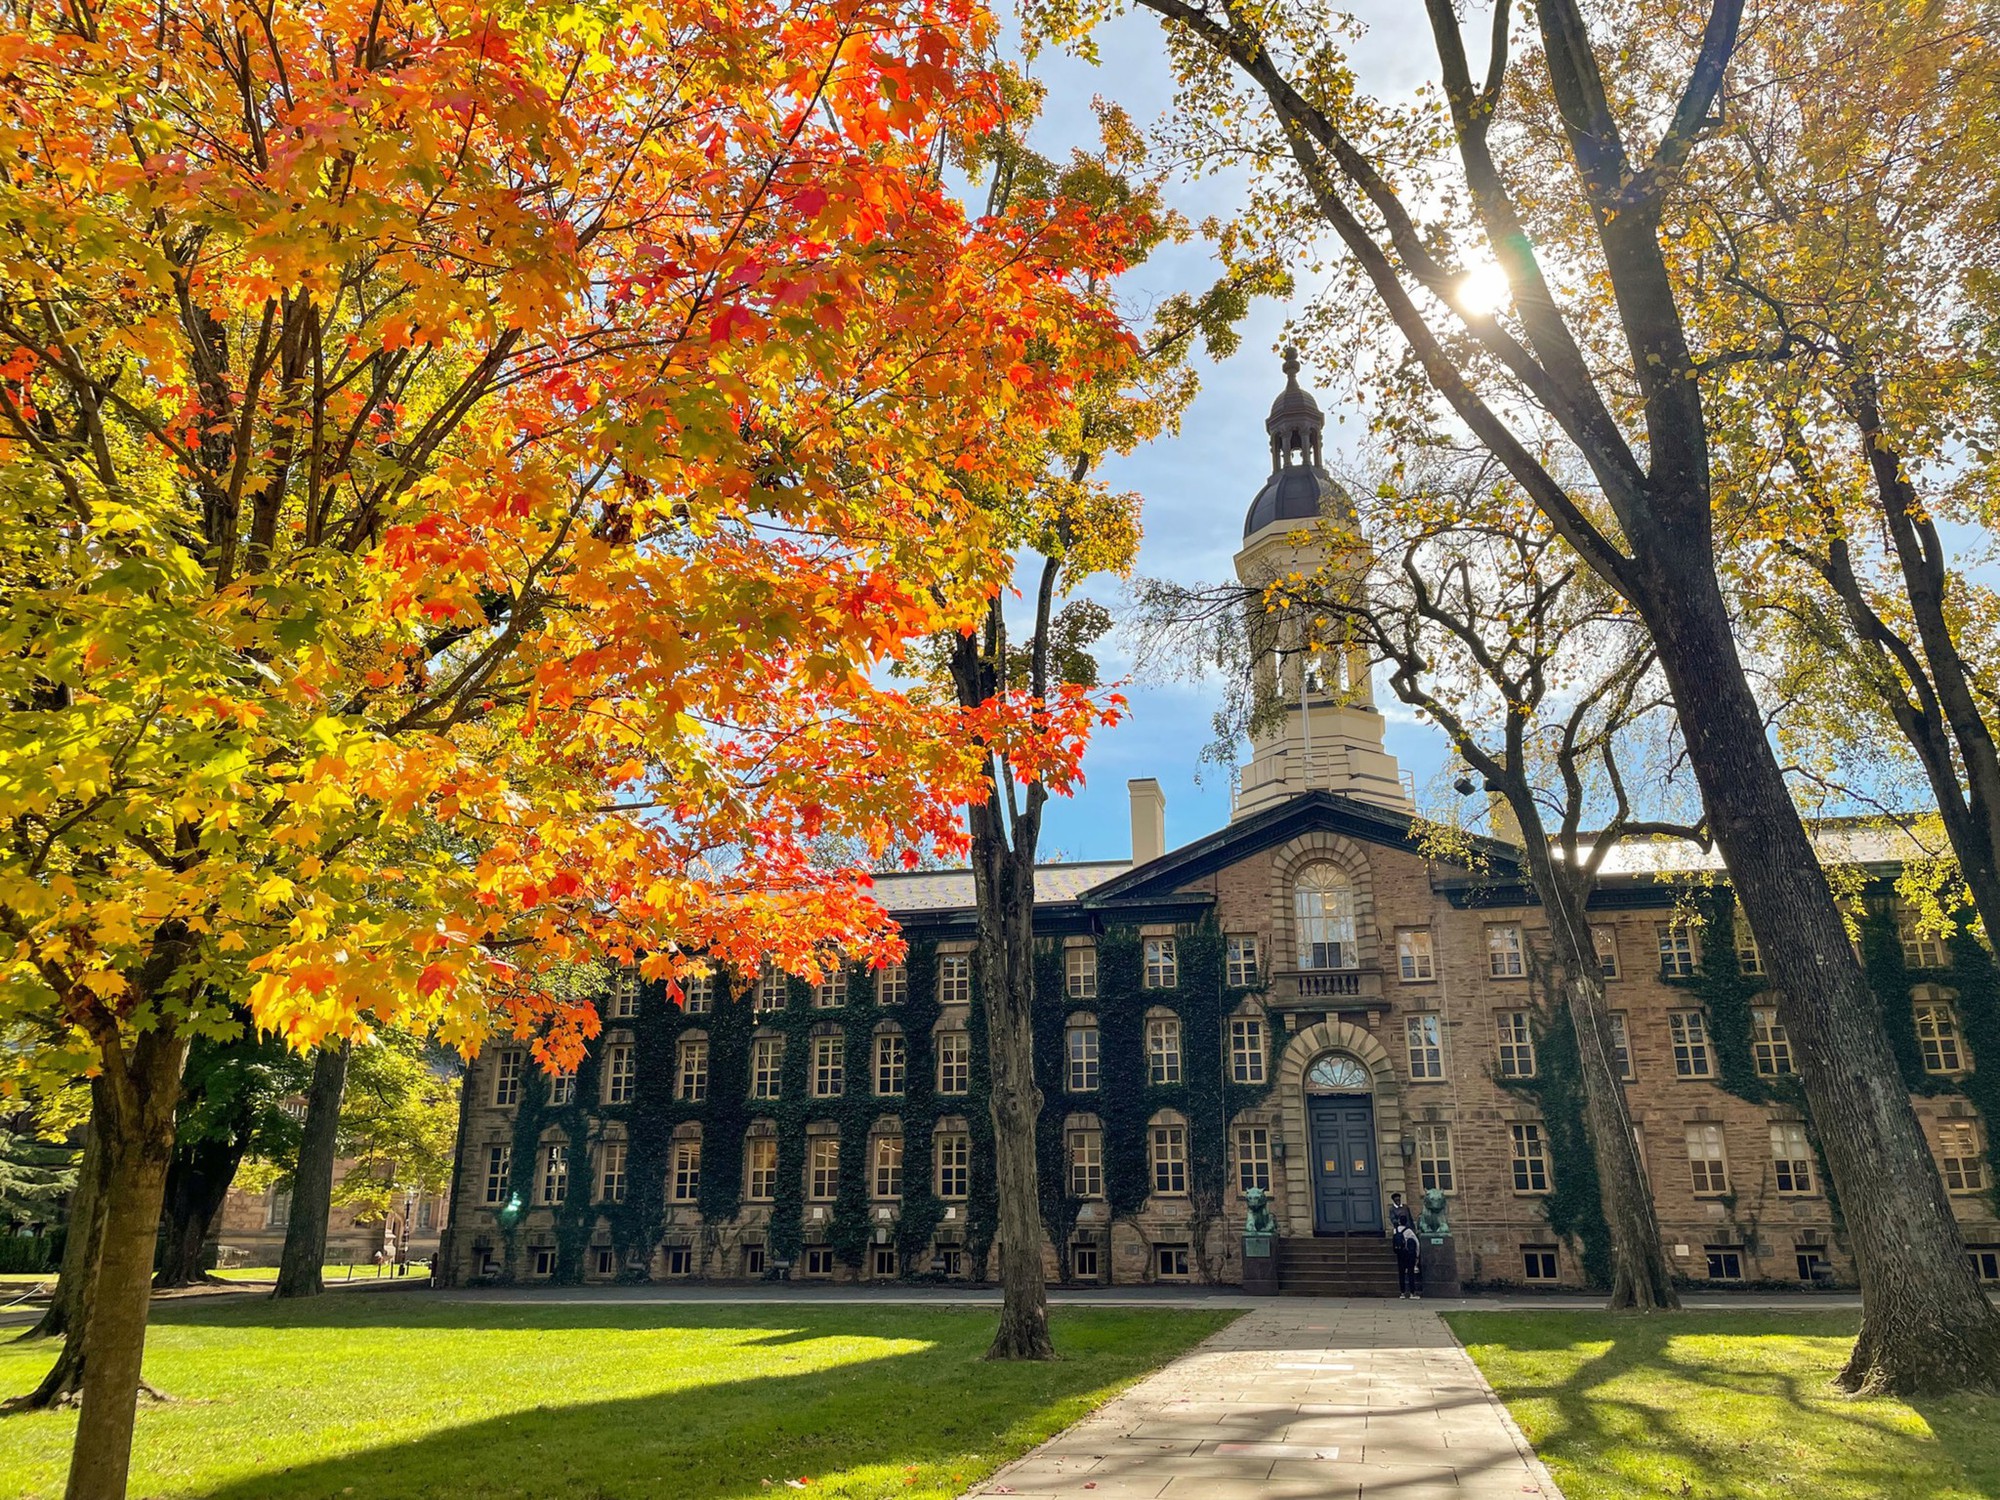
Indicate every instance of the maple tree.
{"type": "Point", "coordinates": [465, 465]}
{"type": "Point", "coordinates": [1481, 293]}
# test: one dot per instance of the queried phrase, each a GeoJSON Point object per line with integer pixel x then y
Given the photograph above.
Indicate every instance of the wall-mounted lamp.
{"type": "Point", "coordinates": [1409, 1146]}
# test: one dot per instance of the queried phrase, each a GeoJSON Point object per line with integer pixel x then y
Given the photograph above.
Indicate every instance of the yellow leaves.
{"type": "Point", "coordinates": [275, 892]}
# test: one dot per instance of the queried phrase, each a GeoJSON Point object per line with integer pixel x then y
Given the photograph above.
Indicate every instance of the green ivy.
{"type": "Point", "coordinates": [1574, 1205]}
{"type": "Point", "coordinates": [1125, 1102]}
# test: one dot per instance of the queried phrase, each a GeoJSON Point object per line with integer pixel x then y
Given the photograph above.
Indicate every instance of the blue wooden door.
{"type": "Point", "coordinates": [1347, 1197]}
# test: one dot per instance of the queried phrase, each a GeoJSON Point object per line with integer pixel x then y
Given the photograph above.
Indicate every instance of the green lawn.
{"type": "Point", "coordinates": [1723, 1406]}
{"type": "Point", "coordinates": [403, 1396]}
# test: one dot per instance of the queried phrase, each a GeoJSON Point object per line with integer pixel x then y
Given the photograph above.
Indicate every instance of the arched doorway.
{"type": "Point", "coordinates": [1345, 1170]}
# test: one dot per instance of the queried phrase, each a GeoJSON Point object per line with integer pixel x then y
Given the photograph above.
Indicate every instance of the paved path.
{"type": "Point", "coordinates": [1297, 1401]}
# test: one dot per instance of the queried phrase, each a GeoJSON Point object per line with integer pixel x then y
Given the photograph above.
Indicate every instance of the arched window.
{"type": "Point", "coordinates": [1323, 905]}
{"type": "Point", "coordinates": [760, 1162]}
{"type": "Point", "coordinates": [684, 1173]}
{"type": "Point", "coordinates": [691, 1075]}
{"type": "Point", "coordinates": [1163, 1047]}
{"type": "Point", "coordinates": [1337, 1073]}
{"type": "Point", "coordinates": [891, 1058]}
{"type": "Point", "coordinates": [1084, 1138]}
{"type": "Point", "coordinates": [1166, 1151]}
{"type": "Point", "coordinates": [1080, 1051]}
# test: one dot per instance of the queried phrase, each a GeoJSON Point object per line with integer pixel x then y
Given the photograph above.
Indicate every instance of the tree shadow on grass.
{"type": "Point", "coordinates": [1650, 1411]}
{"type": "Point", "coordinates": [931, 1408]}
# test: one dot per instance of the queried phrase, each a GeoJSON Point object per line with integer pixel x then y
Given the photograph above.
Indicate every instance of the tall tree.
{"type": "Point", "coordinates": [312, 1175]}
{"type": "Point", "coordinates": [233, 1098]}
{"type": "Point", "coordinates": [1543, 316]}
{"type": "Point", "coordinates": [1495, 632]}
{"type": "Point", "coordinates": [398, 1127]}
{"type": "Point", "coordinates": [1839, 264]}
{"type": "Point", "coordinates": [1068, 527]}
{"type": "Point", "coordinates": [437, 436]}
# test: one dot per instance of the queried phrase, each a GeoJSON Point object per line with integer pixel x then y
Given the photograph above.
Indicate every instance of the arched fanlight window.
{"type": "Point", "coordinates": [1323, 903]}
{"type": "Point", "coordinates": [1337, 1073]}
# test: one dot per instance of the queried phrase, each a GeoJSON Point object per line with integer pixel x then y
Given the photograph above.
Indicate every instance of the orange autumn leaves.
{"type": "Point", "coordinates": [470, 464]}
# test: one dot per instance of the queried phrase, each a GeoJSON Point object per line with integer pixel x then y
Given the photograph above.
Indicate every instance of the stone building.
{"type": "Point", "coordinates": [1301, 1001]}
{"type": "Point", "coordinates": [250, 1229]}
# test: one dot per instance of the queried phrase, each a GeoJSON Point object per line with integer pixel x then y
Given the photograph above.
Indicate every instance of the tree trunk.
{"type": "Point", "coordinates": [1007, 972]}
{"type": "Point", "coordinates": [67, 1309]}
{"type": "Point", "coordinates": [312, 1183]}
{"type": "Point", "coordinates": [68, 1312]}
{"type": "Point", "coordinates": [198, 1180]}
{"type": "Point", "coordinates": [1640, 1278]}
{"type": "Point", "coordinates": [1926, 1324]}
{"type": "Point", "coordinates": [139, 1141]}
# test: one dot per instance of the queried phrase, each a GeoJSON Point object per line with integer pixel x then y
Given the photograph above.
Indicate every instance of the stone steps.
{"type": "Point", "coordinates": [1337, 1266]}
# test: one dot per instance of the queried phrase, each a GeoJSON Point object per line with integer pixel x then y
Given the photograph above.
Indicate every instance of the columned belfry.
{"type": "Point", "coordinates": [1319, 729]}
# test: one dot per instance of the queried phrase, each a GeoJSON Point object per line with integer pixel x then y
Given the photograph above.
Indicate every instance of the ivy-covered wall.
{"type": "Point", "coordinates": [1124, 1103]}
{"type": "Point", "coordinates": [1574, 1205]}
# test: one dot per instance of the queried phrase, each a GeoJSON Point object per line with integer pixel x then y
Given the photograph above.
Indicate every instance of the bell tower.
{"type": "Point", "coordinates": [1319, 729]}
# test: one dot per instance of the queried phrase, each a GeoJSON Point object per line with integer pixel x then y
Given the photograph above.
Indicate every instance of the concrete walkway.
{"type": "Point", "coordinates": [1297, 1401]}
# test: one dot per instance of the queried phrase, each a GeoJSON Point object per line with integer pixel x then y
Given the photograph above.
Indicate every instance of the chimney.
{"type": "Point", "coordinates": [1149, 819]}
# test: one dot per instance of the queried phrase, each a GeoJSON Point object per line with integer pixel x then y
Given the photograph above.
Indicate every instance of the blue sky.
{"type": "Point", "coordinates": [1198, 484]}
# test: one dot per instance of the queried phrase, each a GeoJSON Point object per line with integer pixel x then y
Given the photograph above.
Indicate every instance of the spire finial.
{"type": "Point", "coordinates": [1292, 364]}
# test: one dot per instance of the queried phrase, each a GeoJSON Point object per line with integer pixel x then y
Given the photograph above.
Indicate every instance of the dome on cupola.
{"type": "Point", "coordinates": [1299, 489]}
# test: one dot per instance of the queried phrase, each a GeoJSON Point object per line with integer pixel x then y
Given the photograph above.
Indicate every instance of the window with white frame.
{"type": "Point", "coordinates": [823, 1168]}
{"type": "Point", "coordinates": [1517, 1044]}
{"type": "Point", "coordinates": [954, 1163]}
{"type": "Point", "coordinates": [954, 1062]}
{"type": "Point", "coordinates": [1708, 1166]}
{"type": "Point", "coordinates": [1770, 1046]}
{"type": "Point", "coordinates": [954, 979]}
{"type": "Point", "coordinates": [1253, 1157]}
{"type": "Point", "coordinates": [773, 989]}
{"type": "Point", "coordinates": [562, 1090]}
{"type": "Point", "coordinates": [1531, 1159]}
{"type": "Point", "coordinates": [831, 992]}
{"type": "Point", "coordinates": [1323, 918]}
{"type": "Point", "coordinates": [691, 1083]}
{"type": "Point", "coordinates": [1921, 949]}
{"type": "Point", "coordinates": [1688, 1030]}
{"type": "Point", "coordinates": [1080, 1053]}
{"type": "Point", "coordinates": [1604, 942]}
{"type": "Point", "coordinates": [507, 1065]}
{"type": "Point", "coordinates": [1676, 940]}
{"type": "Point", "coordinates": [760, 1169]}
{"type": "Point", "coordinates": [624, 997]}
{"type": "Point", "coordinates": [1166, 1150]}
{"type": "Point", "coordinates": [499, 1172]}
{"type": "Point", "coordinates": [1416, 961]}
{"type": "Point", "coordinates": [1937, 1037]}
{"type": "Point", "coordinates": [553, 1186]}
{"type": "Point", "coordinates": [1246, 1050]}
{"type": "Point", "coordinates": [1621, 1044]}
{"type": "Point", "coordinates": [1434, 1165]}
{"type": "Point", "coordinates": [1086, 1163]}
{"type": "Point", "coordinates": [1961, 1156]}
{"type": "Point", "coordinates": [1792, 1157]}
{"type": "Point", "coordinates": [1171, 1262]}
{"type": "Point", "coordinates": [888, 1166]}
{"type": "Point", "coordinates": [1505, 956]}
{"type": "Point", "coordinates": [1163, 1050]}
{"type": "Point", "coordinates": [1749, 957]}
{"type": "Point", "coordinates": [611, 1172]}
{"type": "Point", "coordinates": [698, 990]}
{"type": "Point", "coordinates": [767, 1067]}
{"type": "Point", "coordinates": [685, 1184]}
{"type": "Point", "coordinates": [892, 985]}
{"type": "Point", "coordinates": [621, 1072]}
{"type": "Point", "coordinates": [892, 1054]}
{"type": "Point", "coordinates": [1239, 960]}
{"type": "Point", "coordinates": [829, 1066]}
{"type": "Point", "coordinates": [1080, 972]}
{"type": "Point", "coordinates": [1163, 965]}
{"type": "Point", "coordinates": [1423, 1038]}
